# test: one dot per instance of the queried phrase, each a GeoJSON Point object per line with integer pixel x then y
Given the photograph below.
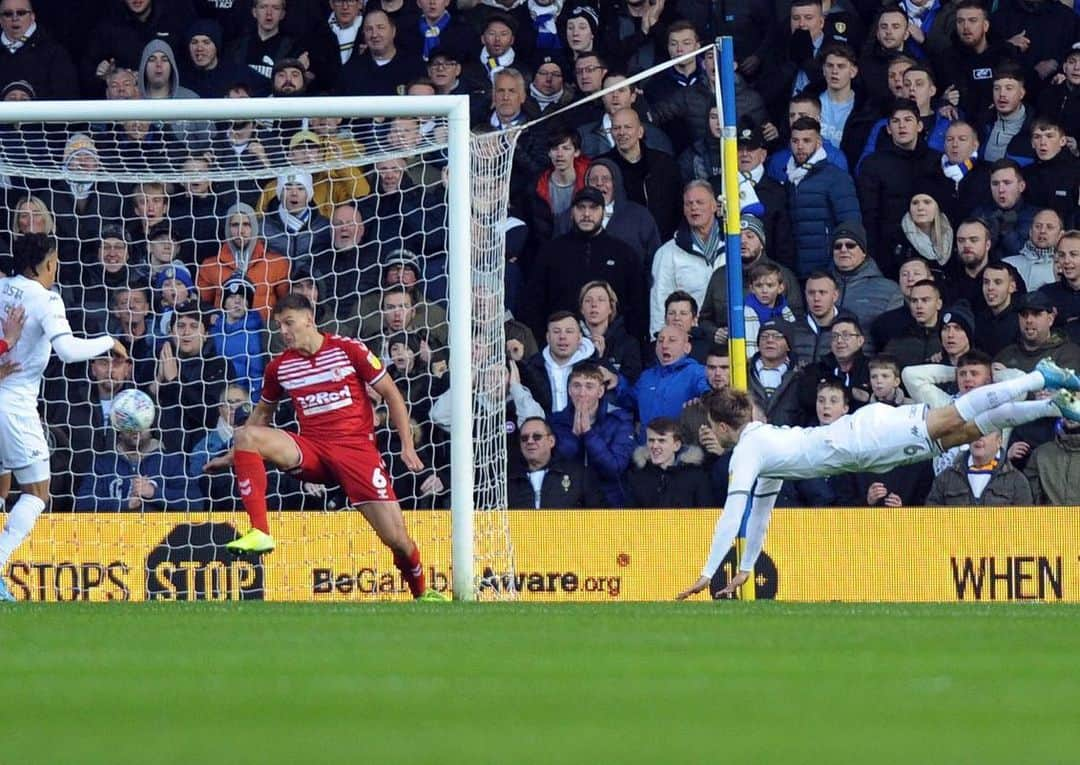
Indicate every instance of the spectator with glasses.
{"type": "Point", "coordinates": [29, 54]}
{"type": "Point", "coordinates": [545, 483]}
{"type": "Point", "coordinates": [864, 292]}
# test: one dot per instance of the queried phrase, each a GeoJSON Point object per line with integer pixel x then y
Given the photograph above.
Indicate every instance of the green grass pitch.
{"type": "Point", "coordinates": [518, 683]}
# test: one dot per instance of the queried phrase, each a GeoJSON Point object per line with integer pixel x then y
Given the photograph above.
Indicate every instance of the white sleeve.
{"type": "Point", "coordinates": [922, 380]}
{"type": "Point", "coordinates": [765, 493]}
{"type": "Point", "coordinates": [53, 318]}
{"type": "Point", "coordinates": [440, 411]}
{"type": "Point", "coordinates": [71, 349]}
{"type": "Point", "coordinates": [663, 285]}
{"type": "Point", "coordinates": [524, 403]}
{"type": "Point", "coordinates": [745, 465]}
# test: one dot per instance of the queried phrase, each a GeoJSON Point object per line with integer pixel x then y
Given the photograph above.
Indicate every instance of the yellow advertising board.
{"type": "Point", "coordinates": [869, 554]}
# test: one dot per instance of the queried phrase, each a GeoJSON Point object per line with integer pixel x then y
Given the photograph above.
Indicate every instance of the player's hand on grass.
{"type": "Point", "coordinates": [693, 589]}
{"type": "Point", "coordinates": [219, 463]}
{"type": "Point", "coordinates": [411, 459]}
{"type": "Point", "coordinates": [736, 582]}
{"type": "Point", "coordinates": [13, 325]}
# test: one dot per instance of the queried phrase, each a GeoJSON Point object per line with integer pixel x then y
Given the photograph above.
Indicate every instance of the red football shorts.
{"type": "Point", "coordinates": [355, 465]}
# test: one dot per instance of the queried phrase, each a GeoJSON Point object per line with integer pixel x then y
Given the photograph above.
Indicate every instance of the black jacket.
{"type": "Point", "coordinates": [653, 181]}
{"type": "Point", "coordinates": [1054, 183]}
{"type": "Point", "coordinates": [826, 369]}
{"type": "Point", "coordinates": [568, 262]}
{"type": "Point", "coordinates": [121, 35]}
{"type": "Point", "coordinates": [995, 332]}
{"type": "Point", "coordinates": [45, 64]}
{"type": "Point", "coordinates": [684, 484]}
{"type": "Point", "coordinates": [915, 344]}
{"type": "Point", "coordinates": [566, 485]}
{"type": "Point", "coordinates": [887, 179]}
{"type": "Point", "coordinates": [782, 406]}
{"type": "Point", "coordinates": [188, 405]}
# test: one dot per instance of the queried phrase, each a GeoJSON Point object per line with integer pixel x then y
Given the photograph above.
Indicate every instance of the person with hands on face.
{"type": "Point", "coordinates": [590, 432]}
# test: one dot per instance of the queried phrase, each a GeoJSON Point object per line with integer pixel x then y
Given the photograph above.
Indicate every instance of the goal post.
{"type": "Point", "coordinates": [41, 157]}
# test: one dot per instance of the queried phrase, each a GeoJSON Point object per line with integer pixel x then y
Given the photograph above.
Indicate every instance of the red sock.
{"type": "Point", "coordinates": [412, 571]}
{"type": "Point", "coordinates": [251, 480]}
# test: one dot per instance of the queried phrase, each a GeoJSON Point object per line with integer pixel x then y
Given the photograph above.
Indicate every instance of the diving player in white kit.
{"type": "Point", "coordinates": [875, 438]}
{"type": "Point", "coordinates": [37, 321]}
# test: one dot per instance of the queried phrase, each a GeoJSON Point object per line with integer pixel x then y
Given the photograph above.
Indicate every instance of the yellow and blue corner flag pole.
{"type": "Point", "coordinates": [733, 235]}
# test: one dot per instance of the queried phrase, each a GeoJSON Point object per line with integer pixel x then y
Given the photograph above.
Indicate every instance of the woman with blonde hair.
{"type": "Point", "coordinates": [30, 215]}
{"type": "Point", "coordinates": [598, 306]}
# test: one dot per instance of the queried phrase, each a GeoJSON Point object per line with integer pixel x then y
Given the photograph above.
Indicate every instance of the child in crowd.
{"type": "Point", "coordinates": [885, 381]}
{"type": "Point", "coordinates": [666, 474]}
{"type": "Point", "coordinates": [239, 334]}
{"type": "Point", "coordinates": [764, 302]}
{"type": "Point", "coordinates": [173, 286]}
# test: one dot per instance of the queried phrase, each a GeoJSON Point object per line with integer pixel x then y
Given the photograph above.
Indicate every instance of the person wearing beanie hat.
{"type": "Point", "coordinates": [78, 144]}
{"type": "Point", "coordinates": [204, 68]}
{"type": "Point", "coordinates": [754, 225]}
{"type": "Point", "coordinates": [174, 272]}
{"type": "Point", "coordinates": [580, 29]}
{"type": "Point", "coordinates": [957, 331]}
{"type": "Point", "coordinates": [497, 52]}
{"type": "Point", "coordinates": [297, 228]}
{"type": "Point", "coordinates": [773, 372]}
{"type": "Point", "coordinates": [239, 334]}
{"type": "Point", "coordinates": [548, 89]}
{"type": "Point", "coordinates": [863, 290]}
{"type": "Point", "coordinates": [18, 90]}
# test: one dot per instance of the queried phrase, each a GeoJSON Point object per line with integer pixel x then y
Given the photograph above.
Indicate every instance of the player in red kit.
{"type": "Point", "coordinates": [326, 377]}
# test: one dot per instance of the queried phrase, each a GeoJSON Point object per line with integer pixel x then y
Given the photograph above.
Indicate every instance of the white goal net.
{"type": "Point", "coordinates": [178, 236]}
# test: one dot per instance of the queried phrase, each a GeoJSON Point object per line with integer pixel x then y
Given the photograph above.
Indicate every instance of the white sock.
{"type": "Point", "coordinates": [987, 397]}
{"type": "Point", "coordinates": [19, 523]}
{"type": "Point", "coordinates": [1015, 413]}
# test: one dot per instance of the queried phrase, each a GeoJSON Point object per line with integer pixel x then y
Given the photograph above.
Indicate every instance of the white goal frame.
{"type": "Point", "coordinates": [459, 242]}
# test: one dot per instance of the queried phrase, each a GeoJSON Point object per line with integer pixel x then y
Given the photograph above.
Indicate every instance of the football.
{"type": "Point", "coordinates": [132, 411]}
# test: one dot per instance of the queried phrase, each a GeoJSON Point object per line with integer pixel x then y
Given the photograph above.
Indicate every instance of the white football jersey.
{"type": "Point", "coordinates": [46, 320]}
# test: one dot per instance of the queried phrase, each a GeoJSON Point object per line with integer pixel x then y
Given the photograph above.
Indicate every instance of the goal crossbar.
{"type": "Point", "coordinates": [455, 109]}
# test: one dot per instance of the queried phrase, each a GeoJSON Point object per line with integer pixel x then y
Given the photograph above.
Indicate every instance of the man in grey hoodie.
{"type": "Point", "coordinates": [159, 77]}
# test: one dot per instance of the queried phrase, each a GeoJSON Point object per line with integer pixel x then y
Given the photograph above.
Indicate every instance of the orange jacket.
{"type": "Point", "coordinates": [267, 271]}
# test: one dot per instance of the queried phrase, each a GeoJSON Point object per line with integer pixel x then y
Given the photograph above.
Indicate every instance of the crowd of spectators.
{"type": "Point", "coordinates": [909, 198]}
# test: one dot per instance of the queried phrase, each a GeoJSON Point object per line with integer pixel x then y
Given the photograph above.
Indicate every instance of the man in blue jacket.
{"type": "Point", "coordinates": [591, 433]}
{"type": "Point", "coordinates": [820, 196]}
{"type": "Point", "coordinates": [138, 476]}
{"type": "Point", "coordinates": [662, 390]}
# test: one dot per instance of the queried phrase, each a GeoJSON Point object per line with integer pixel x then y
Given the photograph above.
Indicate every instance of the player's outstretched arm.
{"type": "Point", "coordinates": [399, 418]}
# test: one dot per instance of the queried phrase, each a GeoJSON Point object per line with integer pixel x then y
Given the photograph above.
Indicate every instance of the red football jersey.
{"type": "Point", "coordinates": [328, 388]}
